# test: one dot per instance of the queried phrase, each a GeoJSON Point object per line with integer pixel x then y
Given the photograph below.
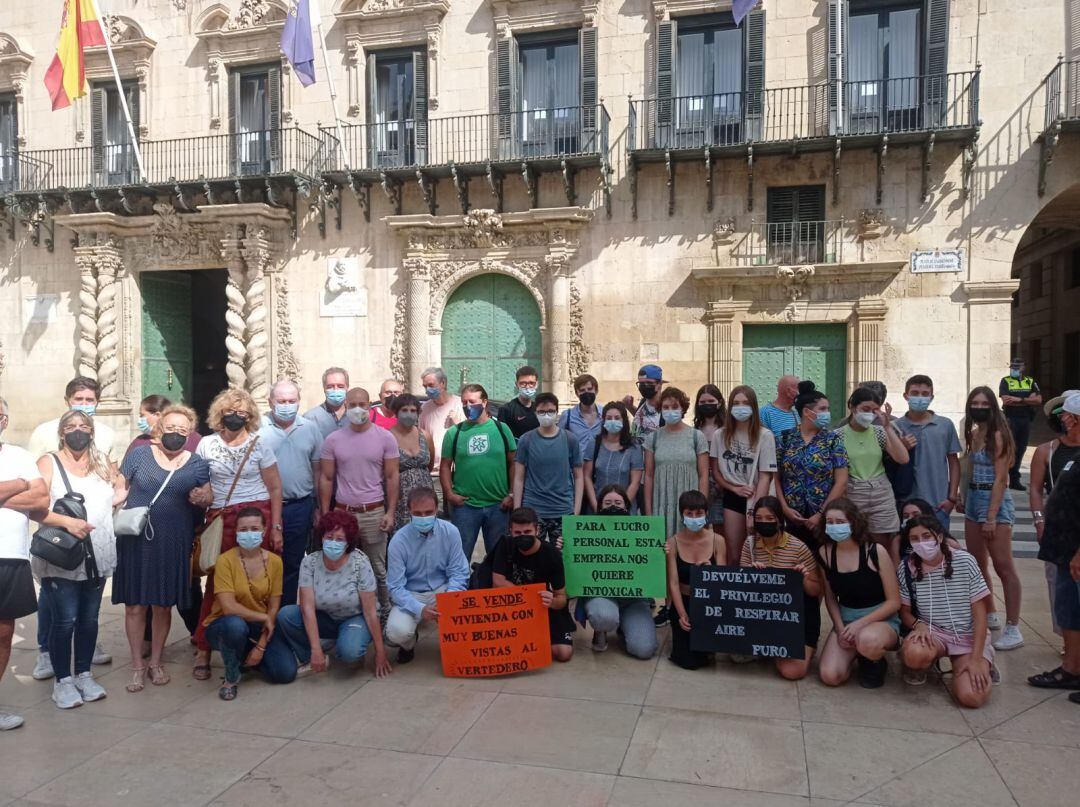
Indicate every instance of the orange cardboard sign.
{"type": "Point", "coordinates": [493, 631]}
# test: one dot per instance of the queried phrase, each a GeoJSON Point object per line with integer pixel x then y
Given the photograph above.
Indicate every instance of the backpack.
{"type": "Point", "coordinates": [482, 573]}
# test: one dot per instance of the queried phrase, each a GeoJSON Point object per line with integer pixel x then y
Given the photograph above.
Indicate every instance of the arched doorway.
{"type": "Point", "coordinates": [490, 327]}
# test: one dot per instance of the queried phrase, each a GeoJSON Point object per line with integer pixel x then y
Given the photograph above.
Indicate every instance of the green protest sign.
{"type": "Point", "coordinates": [614, 556]}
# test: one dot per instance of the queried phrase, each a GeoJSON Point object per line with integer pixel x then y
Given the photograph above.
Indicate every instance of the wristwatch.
{"type": "Point", "coordinates": [278, 527]}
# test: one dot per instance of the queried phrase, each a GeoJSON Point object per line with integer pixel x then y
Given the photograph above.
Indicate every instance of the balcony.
{"type": "Point", "coordinates": [819, 117]}
{"type": "Point", "coordinates": [791, 243]}
{"type": "Point", "coordinates": [1062, 93]}
{"type": "Point", "coordinates": [489, 146]}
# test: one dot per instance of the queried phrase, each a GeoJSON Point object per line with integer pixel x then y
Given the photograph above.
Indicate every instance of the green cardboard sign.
{"type": "Point", "coordinates": [614, 556]}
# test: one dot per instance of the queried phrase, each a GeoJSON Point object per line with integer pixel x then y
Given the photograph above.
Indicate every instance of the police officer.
{"type": "Point", "coordinates": [1019, 396]}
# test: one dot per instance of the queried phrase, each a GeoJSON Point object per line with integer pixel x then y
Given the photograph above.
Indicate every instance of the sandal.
{"type": "Point", "coordinates": [1059, 678]}
{"type": "Point", "coordinates": [158, 676]}
{"type": "Point", "coordinates": [138, 680]}
{"type": "Point", "coordinates": [201, 672]}
{"type": "Point", "coordinates": [227, 691]}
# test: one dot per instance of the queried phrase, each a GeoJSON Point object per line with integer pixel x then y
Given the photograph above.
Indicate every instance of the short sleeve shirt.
{"type": "Point", "coordinates": [549, 464]}
{"type": "Point", "coordinates": [740, 463]}
{"type": "Point", "coordinates": [224, 460]}
{"type": "Point", "coordinates": [778, 420]}
{"type": "Point", "coordinates": [359, 457]}
{"type": "Point", "coordinates": [15, 463]}
{"type": "Point", "coordinates": [613, 467]}
{"type": "Point", "coordinates": [787, 553]}
{"type": "Point", "coordinates": [479, 458]}
{"type": "Point", "coordinates": [936, 440]}
{"type": "Point", "coordinates": [864, 452]}
{"type": "Point", "coordinates": [946, 603]}
{"type": "Point", "coordinates": [543, 566]}
{"type": "Point", "coordinates": [806, 469]}
{"type": "Point", "coordinates": [436, 420]}
{"type": "Point", "coordinates": [253, 592]}
{"type": "Point", "coordinates": [337, 593]}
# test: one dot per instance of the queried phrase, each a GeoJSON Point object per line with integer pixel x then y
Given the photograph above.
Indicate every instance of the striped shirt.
{"type": "Point", "coordinates": [787, 553]}
{"type": "Point", "coordinates": [946, 604]}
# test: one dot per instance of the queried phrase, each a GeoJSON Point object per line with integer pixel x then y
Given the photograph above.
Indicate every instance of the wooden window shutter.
{"type": "Point", "coordinates": [936, 62]}
{"type": "Point", "coordinates": [99, 104]}
{"type": "Point", "coordinates": [506, 67]}
{"type": "Point", "coordinates": [837, 41]}
{"type": "Point", "coordinates": [273, 123]}
{"type": "Point", "coordinates": [666, 42]}
{"type": "Point", "coordinates": [810, 203]}
{"type": "Point", "coordinates": [374, 131]}
{"type": "Point", "coordinates": [780, 207]}
{"type": "Point", "coordinates": [755, 72]}
{"type": "Point", "coordinates": [590, 98]}
{"type": "Point", "coordinates": [420, 104]}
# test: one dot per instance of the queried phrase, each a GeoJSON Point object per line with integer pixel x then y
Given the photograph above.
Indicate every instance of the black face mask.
{"type": "Point", "coordinates": [173, 441]}
{"type": "Point", "coordinates": [77, 441]}
{"type": "Point", "coordinates": [388, 403]}
{"type": "Point", "coordinates": [613, 511]}
{"type": "Point", "coordinates": [234, 423]}
{"type": "Point", "coordinates": [766, 529]}
{"type": "Point", "coordinates": [587, 398]}
{"type": "Point", "coordinates": [523, 543]}
{"type": "Point", "coordinates": [980, 414]}
{"type": "Point", "coordinates": [647, 390]}
{"type": "Point", "coordinates": [708, 410]}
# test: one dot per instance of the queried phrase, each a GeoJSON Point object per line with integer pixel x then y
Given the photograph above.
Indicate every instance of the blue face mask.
{"type": "Point", "coordinates": [1014, 373]}
{"type": "Point", "coordinates": [286, 412]}
{"type": "Point", "coordinates": [142, 425]}
{"type": "Point", "coordinates": [432, 393]}
{"type": "Point", "coordinates": [823, 420]}
{"type": "Point", "coordinates": [527, 392]}
{"type": "Point", "coordinates": [86, 409]}
{"type": "Point", "coordinates": [838, 532]}
{"type": "Point", "coordinates": [694, 523]}
{"type": "Point", "coordinates": [613, 426]}
{"type": "Point", "coordinates": [671, 415]}
{"type": "Point", "coordinates": [335, 397]}
{"type": "Point", "coordinates": [333, 549]}
{"type": "Point", "coordinates": [919, 403]}
{"type": "Point", "coordinates": [424, 524]}
{"type": "Point", "coordinates": [249, 539]}
{"type": "Point", "coordinates": [473, 411]}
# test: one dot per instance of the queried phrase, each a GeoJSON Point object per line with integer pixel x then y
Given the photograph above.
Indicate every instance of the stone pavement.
{"type": "Point", "coordinates": [602, 730]}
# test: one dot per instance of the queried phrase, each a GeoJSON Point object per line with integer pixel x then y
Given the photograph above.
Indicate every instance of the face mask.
{"type": "Point", "coordinates": [587, 398]}
{"type": "Point", "coordinates": [234, 423]}
{"type": "Point", "coordinates": [613, 426]}
{"type": "Point", "coordinates": [646, 390]}
{"type": "Point", "coordinates": [823, 420]}
{"type": "Point", "coordinates": [919, 403]}
{"type": "Point", "coordinates": [1014, 373]}
{"type": "Point", "coordinates": [143, 425]}
{"type": "Point", "coordinates": [249, 539]}
{"type": "Point", "coordinates": [77, 441]}
{"type": "Point", "coordinates": [927, 550]}
{"type": "Point", "coordinates": [694, 523]}
{"type": "Point", "coordinates": [613, 510]}
{"type": "Point", "coordinates": [741, 413]}
{"type": "Point", "coordinates": [432, 393]}
{"type": "Point", "coordinates": [865, 419]}
{"type": "Point", "coordinates": [708, 410]}
{"type": "Point", "coordinates": [424, 524]}
{"type": "Point", "coordinates": [473, 411]}
{"type": "Point", "coordinates": [86, 409]}
{"type": "Point", "coordinates": [173, 441]}
{"type": "Point", "coordinates": [838, 532]}
{"type": "Point", "coordinates": [357, 415]}
{"type": "Point", "coordinates": [335, 397]}
{"type": "Point", "coordinates": [547, 419]}
{"type": "Point", "coordinates": [671, 415]}
{"type": "Point", "coordinates": [408, 419]}
{"type": "Point", "coordinates": [523, 543]}
{"type": "Point", "coordinates": [980, 414]}
{"type": "Point", "coordinates": [766, 529]}
{"type": "Point", "coordinates": [527, 392]}
{"type": "Point", "coordinates": [286, 412]}
{"type": "Point", "coordinates": [333, 548]}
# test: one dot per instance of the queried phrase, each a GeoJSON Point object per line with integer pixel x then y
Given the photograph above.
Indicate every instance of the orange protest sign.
{"type": "Point", "coordinates": [493, 631]}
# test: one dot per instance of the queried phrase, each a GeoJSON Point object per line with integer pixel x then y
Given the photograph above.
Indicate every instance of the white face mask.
{"type": "Point", "coordinates": [357, 415]}
{"type": "Point", "coordinates": [547, 419]}
{"type": "Point", "coordinates": [865, 419]}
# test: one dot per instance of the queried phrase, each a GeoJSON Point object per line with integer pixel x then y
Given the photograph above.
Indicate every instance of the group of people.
{"type": "Point", "coordinates": [283, 539]}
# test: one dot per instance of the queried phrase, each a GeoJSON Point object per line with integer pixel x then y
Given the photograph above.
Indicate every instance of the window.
{"type": "Point", "coordinates": [1071, 379]}
{"type": "Point", "coordinates": [397, 107]}
{"type": "Point", "coordinates": [1074, 269]}
{"type": "Point", "coordinates": [1035, 281]}
{"type": "Point", "coordinates": [9, 132]}
{"type": "Point", "coordinates": [795, 228]}
{"type": "Point", "coordinates": [114, 159]}
{"type": "Point", "coordinates": [883, 68]}
{"type": "Point", "coordinates": [255, 119]}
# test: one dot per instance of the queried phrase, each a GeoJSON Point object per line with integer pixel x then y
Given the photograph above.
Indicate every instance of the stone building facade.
{"type": "Point", "coordinates": [585, 184]}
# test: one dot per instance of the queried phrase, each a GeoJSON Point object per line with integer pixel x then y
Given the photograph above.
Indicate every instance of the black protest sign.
{"type": "Point", "coordinates": [752, 612]}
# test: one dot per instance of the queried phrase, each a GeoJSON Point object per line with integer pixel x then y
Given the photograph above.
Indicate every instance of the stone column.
{"type": "Point", "coordinates": [256, 256]}
{"type": "Point", "coordinates": [85, 259]}
{"type": "Point", "coordinates": [109, 268]}
{"type": "Point", "coordinates": [418, 314]}
{"type": "Point", "coordinates": [725, 360]}
{"type": "Point", "coordinates": [869, 339]}
{"type": "Point", "coordinates": [989, 337]}
{"type": "Point", "coordinates": [235, 328]}
{"type": "Point", "coordinates": [558, 326]}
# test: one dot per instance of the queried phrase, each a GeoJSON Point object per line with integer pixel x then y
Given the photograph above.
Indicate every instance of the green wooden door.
{"type": "Point", "coordinates": [166, 335]}
{"type": "Point", "coordinates": [491, 326]}
{"type": "Point", "coordinates": [815, 352]}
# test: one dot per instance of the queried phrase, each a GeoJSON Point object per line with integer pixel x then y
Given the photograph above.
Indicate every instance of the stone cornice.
{"type": "Point", "coordinates": [665, 9]}
{"type": "Point", "coordinates": [545, 215]}
{"type": "Point", "coordinates": [830, 273]}
{"type": "Point", "coordinates": [389, 9]}
{"type": "Point", "coordinates": [984, 292]}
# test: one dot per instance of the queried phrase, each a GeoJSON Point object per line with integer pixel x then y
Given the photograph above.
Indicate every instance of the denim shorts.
{"type": "Point", "coordinates": [977, 505]}
{"type": "Point", "coordinates": [1066, 599]}
{"type": "Point", "coordinates": [849, 615]}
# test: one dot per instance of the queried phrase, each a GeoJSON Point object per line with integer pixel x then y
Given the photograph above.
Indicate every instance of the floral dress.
{"type": "Point", "coordinates": [414, 474]}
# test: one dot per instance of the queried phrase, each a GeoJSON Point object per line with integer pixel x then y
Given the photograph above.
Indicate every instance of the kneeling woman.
{"type": "Point", "coordinates": [769, 547]}
{"type": "Point", "coordinates": [861, 596]}
{"type": "Point", "coordinates": [337, 601]}
{"type": "Point", "coordinates": [695, 544]}
{"type": "Point", "coordinates": [247, 596]}
{"type": "Point", "coordinates": [945, 603]}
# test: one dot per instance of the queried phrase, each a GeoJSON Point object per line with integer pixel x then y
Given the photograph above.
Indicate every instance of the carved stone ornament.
{"type": "Point", "coordinates": [793, 279]}
{"type": "Point", "coordinates": [251, 14]}
{"type": "Point", "coordinates": [174, 241]}
{"type": "Point", "coordinates": [484, 224]}
{"type": "Point", "coordinates": [286, 364]}
{"type": "Point", "coordinates": [871, 220]}
{"type": "Point", "coordinates": [398, 348]}
{"type": "Point", "coordinates": [577, 348]}
{"type": "Point", "coordinates": [724, 232]}
{"type": "Point", "coordinates": [179, 5]}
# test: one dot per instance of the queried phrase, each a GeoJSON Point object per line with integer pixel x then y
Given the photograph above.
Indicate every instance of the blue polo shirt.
{"type": "Point", "coordinates": [295, 450]}
{"type": "Point", "coordinates": [325, 420]}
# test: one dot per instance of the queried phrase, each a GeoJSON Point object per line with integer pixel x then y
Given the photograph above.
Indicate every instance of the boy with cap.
{"type": "Point", "coordinates": [650, 381]}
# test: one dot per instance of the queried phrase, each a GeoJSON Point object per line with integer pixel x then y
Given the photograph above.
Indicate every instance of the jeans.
{"type": "Point", "coordinates": [74, 612]}
{"type": "Point", "coordinates": [469, 520]}
{"type": "Point", "coordinates": [44, 619]}
{"type": "Point", "coordinates": [351, 635]}
{"type": "Point", "coordinates": [1020, 426]}
{"type": "Point", "coordinates": [296, 526]}
{"type": "Point", "coordinates": [234, 638]}
{"type": "Point", "coordinates": [633, 616]}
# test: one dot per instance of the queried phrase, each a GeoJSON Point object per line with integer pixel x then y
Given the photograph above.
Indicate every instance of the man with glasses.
{"type": "Point", "coordinates": [519, 413]}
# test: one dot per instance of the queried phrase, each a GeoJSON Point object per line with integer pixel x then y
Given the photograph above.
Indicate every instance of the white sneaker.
{"type": "Point", "coordinates": [304, 670]}
{"type": "Point", "coordinates": [100, 656]}
{"type": "Point", "coordinates": [9, 721]}
{"type": "Point", "coordinates": [65, 695]}
{"type": "Point", "coordinates": [43, 668]}
{"type": "Point", "coordinates": [993, 620]}
{"type": "Point", "coordinates": [599, 641]}
{"type": "Point", "coordinates": [1010, 639]}
{"type": "Point", "coordinates": [90, 689]}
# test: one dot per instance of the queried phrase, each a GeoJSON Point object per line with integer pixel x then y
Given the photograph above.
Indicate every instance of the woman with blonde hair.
{"type": "Point", "coordinates": [243, 473]}
{"type": "Point", "coordinates": [153, 569]}
{"type": "Point", "coordinates": [78, 468]}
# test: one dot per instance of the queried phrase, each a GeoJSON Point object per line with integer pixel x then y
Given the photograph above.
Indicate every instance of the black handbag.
{"type": "Point", "coordinates": [58, 546]}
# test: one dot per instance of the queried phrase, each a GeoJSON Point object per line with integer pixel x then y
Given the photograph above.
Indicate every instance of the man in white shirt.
{"type": "Point", "coordinates": [80, 394]}
{"type": "Point", "coordinates": [440, 411]}
{"type": "Point", "coordinates": [22, 491]}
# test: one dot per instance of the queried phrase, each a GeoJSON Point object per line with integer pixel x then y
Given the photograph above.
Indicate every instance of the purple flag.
{"type": "Point", "coordinates": [740, 8]}
{"type": "Point", "coordinates": [296, 42]}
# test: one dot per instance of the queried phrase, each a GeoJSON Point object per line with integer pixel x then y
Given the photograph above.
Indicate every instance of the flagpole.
{"type": "Point", "coordinates": [119, 89]}
{"type": "Point", "coordinates": [333, 95]}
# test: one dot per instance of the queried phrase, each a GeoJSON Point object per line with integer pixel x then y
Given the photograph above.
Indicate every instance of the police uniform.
{"type": "Point", "coordinates": [1019, 416]}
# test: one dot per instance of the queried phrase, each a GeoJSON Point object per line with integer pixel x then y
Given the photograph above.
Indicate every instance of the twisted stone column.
{"type": "Point", "coordinates": [109, 265]}
{"type": "Point", "coordinates": [257, 360]}
{"type": "Point", "coordinates": [88, 312]}
{"type": "Point", "coordinates": [235, 328]}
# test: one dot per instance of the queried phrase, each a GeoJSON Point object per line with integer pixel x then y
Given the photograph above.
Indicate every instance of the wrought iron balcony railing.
{"type": "Point", "coordinates": [190, 159]}
{"type": "Point", "coordinates": [820, 111]}
{"type": "Point", "coordinates": [1062, 93]}
{"type": "Point", "coordinates": [17, 168]}
{"type": "Point", "coordinates": [528, 135]}
{"type": "Point", "coordinates": [790, 243]}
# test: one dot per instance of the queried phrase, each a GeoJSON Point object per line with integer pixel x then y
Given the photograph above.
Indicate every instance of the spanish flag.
{"type": "Point", "coordinates": [66, 77]}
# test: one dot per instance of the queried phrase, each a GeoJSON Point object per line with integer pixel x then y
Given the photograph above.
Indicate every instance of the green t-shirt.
{"type": "Point", "coordinates": [480, 460]}
{"type": "Point", "coordinates": [865, 458]}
